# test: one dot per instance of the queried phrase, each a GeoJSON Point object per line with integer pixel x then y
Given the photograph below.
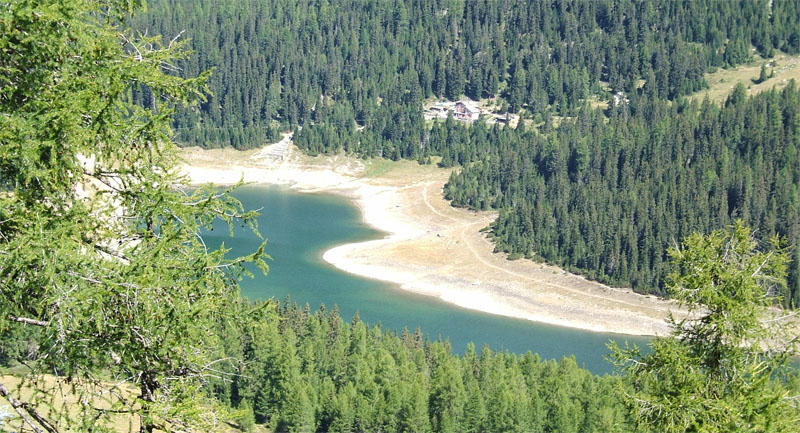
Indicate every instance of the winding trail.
{"type": "Point", "coordinates": [470, 231]}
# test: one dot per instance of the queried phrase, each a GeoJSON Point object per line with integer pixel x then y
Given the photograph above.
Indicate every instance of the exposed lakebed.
{"type": "Point", "coordinates": [300, 227]}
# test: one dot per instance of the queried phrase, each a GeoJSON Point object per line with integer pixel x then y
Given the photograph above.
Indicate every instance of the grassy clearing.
{"type": "Point", "coordinates": [68, 401]}
{"type": "Point", "coordinates": [377, 167]}
{"type": "Point", "coordinates": [404, 171]}
{"type": "Point", "coordinates": [70, 398]}
{"type": "Point", "coordinates": [217, 157]}
{"type": "Point", "coordinates": [722, 82]}
{"type": "Point", "coordinates": [395, 172]}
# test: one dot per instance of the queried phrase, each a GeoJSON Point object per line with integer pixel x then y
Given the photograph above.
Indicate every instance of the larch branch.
{"type": "Point", "coordinates": [28, 321]}
{"type": "Point", "coordinates": [25, 412]}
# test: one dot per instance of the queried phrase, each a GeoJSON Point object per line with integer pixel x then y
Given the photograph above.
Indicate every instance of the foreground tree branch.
{"type": "Point", "coordinates": [28, 321]}
{"type": "Point", "coordinates": [102, 254]}
{"type": "Point", "coordinates": [721, 370]}
{"type": "Point", "coordinates": [26, 412]}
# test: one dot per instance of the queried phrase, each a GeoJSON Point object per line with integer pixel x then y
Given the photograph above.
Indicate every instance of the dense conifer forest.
{"type": "Point", "coordinates": [332, 64]}
{"type": "Point", "coordinates": [305, 371]}
{"type": "Point", "coordinates": [607, 196]}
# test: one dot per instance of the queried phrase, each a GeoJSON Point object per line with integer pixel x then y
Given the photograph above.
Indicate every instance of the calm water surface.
{"type": "Point", "coordinates": [299, 228]}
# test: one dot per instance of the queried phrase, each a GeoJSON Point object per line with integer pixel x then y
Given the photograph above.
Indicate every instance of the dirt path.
{"type": "Point", "coordinates": [483, 251]}
{"type": "Point", "coordinates": [451, 259]}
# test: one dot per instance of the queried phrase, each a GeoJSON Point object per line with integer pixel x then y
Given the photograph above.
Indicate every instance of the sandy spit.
{"type": "Point", "coordinates": [431, 248]}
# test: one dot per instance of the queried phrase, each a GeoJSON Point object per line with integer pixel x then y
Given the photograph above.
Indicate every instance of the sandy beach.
{"type": "Point", "coordinates": [432, 248]}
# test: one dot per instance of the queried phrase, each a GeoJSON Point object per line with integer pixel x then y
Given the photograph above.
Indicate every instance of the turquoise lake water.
{"type": "Point", "coordinates": [299, 228]}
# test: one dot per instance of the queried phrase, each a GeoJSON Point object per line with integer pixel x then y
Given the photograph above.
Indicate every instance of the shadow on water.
{"type": "Point", "coordinates": [299, 228]}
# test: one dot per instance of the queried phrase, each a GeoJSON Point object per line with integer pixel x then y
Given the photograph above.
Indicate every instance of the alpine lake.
{"type": "Point", "coordinates": [300, 227]}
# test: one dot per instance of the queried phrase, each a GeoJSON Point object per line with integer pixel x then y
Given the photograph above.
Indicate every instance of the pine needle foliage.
{"type": "Point", "coordinates": [726, 366]}
{"type": "Point", "coordinates": [100, 240]}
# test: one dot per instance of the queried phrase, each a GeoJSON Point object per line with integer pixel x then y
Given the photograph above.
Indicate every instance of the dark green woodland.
{"type": "Point", "coordinates": [606, 196]}
{"type": "Point", "coordinates": [302, 371]}
{"type": "Point", "coordinates": [332, 64]}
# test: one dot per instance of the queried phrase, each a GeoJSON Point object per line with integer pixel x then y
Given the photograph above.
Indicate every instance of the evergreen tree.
{"type": "Point", "coordinates": [280, 65]}
{"type": "Point", "coordinates": [100, 244]}
{"type": "Point", "coordinates": [725, 366]}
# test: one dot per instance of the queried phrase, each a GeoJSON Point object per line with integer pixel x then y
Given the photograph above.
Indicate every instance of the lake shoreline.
{"type": "Point", "coordinates": [434, 249]}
